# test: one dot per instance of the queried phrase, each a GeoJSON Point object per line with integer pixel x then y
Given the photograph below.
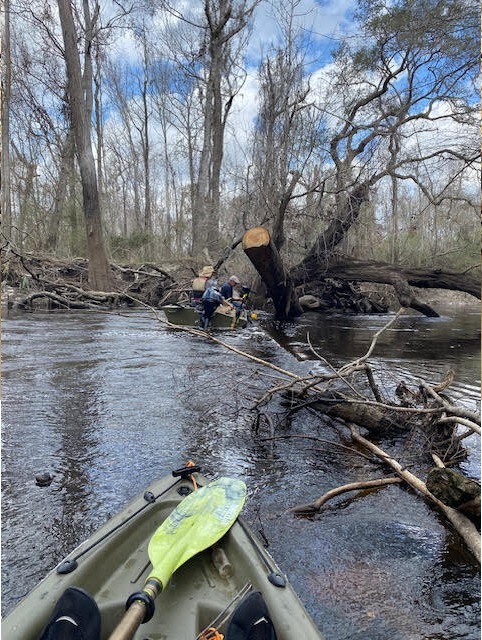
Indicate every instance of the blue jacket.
{"type": "Point", "coordinates": [211, 295]}
{"type": "Point", "coordinates": [227, 291]}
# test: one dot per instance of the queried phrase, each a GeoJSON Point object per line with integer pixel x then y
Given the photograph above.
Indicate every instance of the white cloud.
{"type": "Point", "coordinates": [322, 21]}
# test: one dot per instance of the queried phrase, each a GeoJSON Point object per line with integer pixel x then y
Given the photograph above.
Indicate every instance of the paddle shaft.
{"type": "Point", "coordinates": [129, 624]}
{"type": "Point", "coordinates": [133, 617]}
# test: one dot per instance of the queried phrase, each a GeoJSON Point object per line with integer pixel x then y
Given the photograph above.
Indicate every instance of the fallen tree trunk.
{"type": "Point", "coordinates": [383, 273]}
{"type": "Point", "coordinates": [58, 301]}
{"type": "Point", "coordinates": [323, 266]}
{"type": "Point", "coordinates": [400, 278]}
{"type": "Point", "coordinates": [374, 417]}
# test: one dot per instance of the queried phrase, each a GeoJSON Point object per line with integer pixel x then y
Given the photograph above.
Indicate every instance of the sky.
{"type": "Point", "coordinates": [323, 24]}
{"type": "Point", "coordinates": [325, 21]}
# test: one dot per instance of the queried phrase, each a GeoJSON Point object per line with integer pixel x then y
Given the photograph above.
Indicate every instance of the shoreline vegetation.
{"type": "Point", "coordinates": [32, 282]}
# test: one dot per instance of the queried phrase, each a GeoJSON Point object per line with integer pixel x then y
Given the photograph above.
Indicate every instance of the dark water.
{"type": "Point", "coordinates": [107, 403]}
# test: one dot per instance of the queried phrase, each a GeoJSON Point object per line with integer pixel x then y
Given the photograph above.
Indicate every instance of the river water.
{"type": "Point", "coordinates": [109, 402]}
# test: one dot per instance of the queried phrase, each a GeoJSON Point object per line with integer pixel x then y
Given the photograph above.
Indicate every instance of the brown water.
{"type": "Point", "coordinates": [107, 403]}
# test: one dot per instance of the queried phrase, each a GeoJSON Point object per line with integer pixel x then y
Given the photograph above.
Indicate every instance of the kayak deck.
{"type": "Point", "coordinates": [195, 595]}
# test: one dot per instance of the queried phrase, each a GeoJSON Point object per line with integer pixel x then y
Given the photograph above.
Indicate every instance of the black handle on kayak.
{"type": "Point", "coordinates": [70, 564]}
{"type": "Point", "coordinates": [185, 472]}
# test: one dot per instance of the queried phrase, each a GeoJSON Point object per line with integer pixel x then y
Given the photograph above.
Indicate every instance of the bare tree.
{"type": "Point", "coordinates": [287, 129]}
{"type": "Point", "coordinates": [80, 102]}
{"type": "Point", "coordinates": [223, 21]}
{"type": "Point", "coordinates": [142, 122]}
{"type": "Point", "coordinates": [5, 108]}
{"type": "Point", "coordinates": [392, 90]}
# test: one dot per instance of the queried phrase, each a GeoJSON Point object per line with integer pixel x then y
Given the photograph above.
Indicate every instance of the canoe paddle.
{"type": "Point", "coordinates": [199, 521]}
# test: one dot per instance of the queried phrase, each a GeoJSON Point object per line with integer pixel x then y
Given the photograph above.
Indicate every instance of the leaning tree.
{"type": "Point", "coordinates": [395, 96]}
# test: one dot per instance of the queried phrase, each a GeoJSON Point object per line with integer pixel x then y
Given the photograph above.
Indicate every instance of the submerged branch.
{"type": "Point", "coordinates": [316, 505]}
{"type": "Point", "coordinates": [462, 524]}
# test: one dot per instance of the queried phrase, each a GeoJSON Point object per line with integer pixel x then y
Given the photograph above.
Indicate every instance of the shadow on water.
{"type": "Point", "coordinates": [108, 403]}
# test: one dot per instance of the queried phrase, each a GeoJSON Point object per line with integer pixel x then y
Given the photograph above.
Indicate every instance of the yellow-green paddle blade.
{"type": "Point", "coordinates": [199, 521]}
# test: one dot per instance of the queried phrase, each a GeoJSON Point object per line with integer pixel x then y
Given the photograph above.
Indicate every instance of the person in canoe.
{"type": "Point", "coordinates": [203, 281]}
{"type": "Point", "coordinates": [230, 293]}
{"type": "Point", "coordinates": [210, 300]}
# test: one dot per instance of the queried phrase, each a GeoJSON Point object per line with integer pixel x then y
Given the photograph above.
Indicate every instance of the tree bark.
{"type": "Point", "coordinates": [100, 277]}
{"type": "Point", "coordinates": [371, 417]}
{"type": "Point", "coordinates": [264, 256]}
{"type": "Point", "coordinates": [5, 118]}
{"type": "Point", "coordinates": [324, 246]}
{"type": "Point", "coordinates": [372, 271]}
{"type": "Point", "coordinates": [66, 157]}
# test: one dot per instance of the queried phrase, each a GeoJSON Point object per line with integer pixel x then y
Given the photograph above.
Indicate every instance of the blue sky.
{"type": "Point", "coordinates": [321, 23]}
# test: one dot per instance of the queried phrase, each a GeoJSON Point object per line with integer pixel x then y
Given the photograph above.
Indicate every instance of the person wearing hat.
{"type": "Point", "coordinates": [206, 272]}
{"type": "Point", "coordinates": [229, 293]}
{"type": "Point", "coordinates": [201, 283]}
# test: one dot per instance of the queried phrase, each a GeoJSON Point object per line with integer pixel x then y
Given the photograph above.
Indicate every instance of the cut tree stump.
{"type": "Point", "coordinates": [264, 256]}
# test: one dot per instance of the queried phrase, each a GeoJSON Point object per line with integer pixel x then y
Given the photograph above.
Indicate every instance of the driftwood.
{"type": "Point", "coordinates": [461, 523]}
{"type": "Point", "coordinates": [56, 283]}
{"type": "Point", "coordinates": [312, 507]}
{"type": "Point", "coordinates": [412, 413]}
{"type": "Point", "coordinates": [329, 294]}
{"type": "Point", "coordinates": [471, 419]}
{"type": "Point", "coordinates": [54, 300]}
{"type": "Point", "coordinates": [435, 421]}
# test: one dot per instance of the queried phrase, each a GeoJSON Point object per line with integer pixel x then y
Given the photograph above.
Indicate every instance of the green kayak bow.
{"type": "Point", "coordinates": [197, 523]}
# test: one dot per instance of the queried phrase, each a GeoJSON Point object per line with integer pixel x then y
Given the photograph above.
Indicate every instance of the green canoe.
{"type": "Point", "coordinates": [200, 590]}
{"type": "Point", "coordinates": [223, 318]}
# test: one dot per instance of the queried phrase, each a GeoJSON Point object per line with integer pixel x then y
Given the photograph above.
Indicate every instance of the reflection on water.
{"type": "Point", "coordinates": [108, 403]}
{"type": "Point", "coordinates": [430, 344]}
